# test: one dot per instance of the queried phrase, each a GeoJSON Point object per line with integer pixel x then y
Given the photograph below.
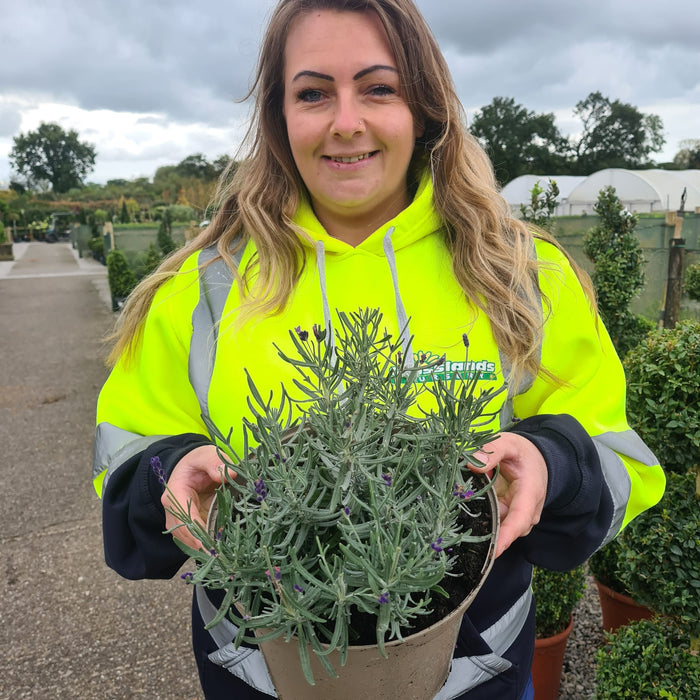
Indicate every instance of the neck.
{"type": "Point", "coordinates": [354, 229]}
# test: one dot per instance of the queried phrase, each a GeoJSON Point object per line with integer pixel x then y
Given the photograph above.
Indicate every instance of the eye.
{"type": "Point", "coordinates": [309, 95]}
{"type": "Point", "coordinates": [382, 90]}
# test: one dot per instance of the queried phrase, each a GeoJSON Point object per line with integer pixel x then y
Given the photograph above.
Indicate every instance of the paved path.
{"type": "Point", "coordinates": [69, 626]}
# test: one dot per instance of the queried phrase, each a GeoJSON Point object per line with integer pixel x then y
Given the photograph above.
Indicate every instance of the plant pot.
{"type": "Point", "coordinates": [547, 663]}
{"type": "Point", "coordinates": [415, 668]}
{"type": "Point", "coordinates": [619, 609]}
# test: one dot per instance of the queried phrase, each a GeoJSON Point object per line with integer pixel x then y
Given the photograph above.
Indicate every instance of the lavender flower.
{"type": "Point", "coordinates": [436, 545]}
{"type": "Point", "coordinates": [383, 599]}
{"type": "Point", "coordinates": [260, 489]}
{"type": "Point", "coordinates": [303, 335]}
{"type": "Point", "coordinates": [158, 470]}
{"type": "Point", "coordinates": [276, 573]}
{"type": "Point", "coordinates": [319, 333]}
{"type": "Point", "coordinates": [387, 479]}
{"type": "Point", "coordinates": [187, 577]}
{"type": "Point", "coordinates": [465, 340]}
{"type": "Point", "coordinates": [298, 588]}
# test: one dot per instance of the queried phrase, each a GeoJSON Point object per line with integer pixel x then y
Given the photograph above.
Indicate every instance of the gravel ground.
{"type": "Point", "coordinates": [578, 674]}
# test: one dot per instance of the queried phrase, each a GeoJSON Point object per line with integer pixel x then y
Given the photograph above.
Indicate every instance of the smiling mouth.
{"type": "Point", "coordinates": [350, 159]}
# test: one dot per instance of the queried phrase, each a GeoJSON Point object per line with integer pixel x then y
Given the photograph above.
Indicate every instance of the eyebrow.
{"type": "Point", "coordinates": [357, 76]}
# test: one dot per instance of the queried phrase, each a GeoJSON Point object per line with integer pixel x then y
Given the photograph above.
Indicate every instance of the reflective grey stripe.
{"type": "Point", "coordinates": [610, 446]}
{"type": "Point", "coordinates": [215, 282]}
{"type": "Point", "coordinates": [244, 663]}
{"type": "Point", "coordinates": [467, 672]}
{"type": "Point", "coordinates": [114, 446]}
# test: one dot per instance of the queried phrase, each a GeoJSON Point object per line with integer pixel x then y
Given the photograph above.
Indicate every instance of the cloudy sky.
{"type": "Point", "coordinates": [149, 82]}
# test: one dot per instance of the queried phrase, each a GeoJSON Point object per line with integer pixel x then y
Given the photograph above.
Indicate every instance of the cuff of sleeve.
{"type": "Point", "coordinates": [568, 452]}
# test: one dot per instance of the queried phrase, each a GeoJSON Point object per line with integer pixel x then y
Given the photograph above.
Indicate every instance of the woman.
{"type": "Point", "coordinates": [362, 188]}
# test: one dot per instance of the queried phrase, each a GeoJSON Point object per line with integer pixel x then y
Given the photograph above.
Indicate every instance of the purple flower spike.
{"type": "Point", "coordinates": [346, 510]}
{"type": "Point", "coordinates": [383, 599]}
{"type": "Point", "coordinates": [158, 469]}
{"type": "Point", "coordinates": [465, 340]}
{"type": "Point", "coordinates": [436, 545]}
{"type": "Point", "coordinates": [187, 577]}
{"type": "Point", "coordinates": [303, 335]}
{"type": "Point", "coordinates": [319, 333]}
{"type": "Point", "coordinates": [387, 479]}
{"type": "Point", "coordinates": [298, 588]}
{"type": "Point", "coordinates": [277, 573]}
{"type": "Point", "coordinates": [260, 489]}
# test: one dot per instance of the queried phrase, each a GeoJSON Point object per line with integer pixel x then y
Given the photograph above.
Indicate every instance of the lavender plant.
{"type": "Point", "coordinates": [348, 499]}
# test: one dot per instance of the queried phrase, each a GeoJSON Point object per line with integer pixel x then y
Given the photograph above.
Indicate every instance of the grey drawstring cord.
{"type": "Point", "coordinates": [321, 267]}
{"type": "Point", "coordinates": [405, 335]}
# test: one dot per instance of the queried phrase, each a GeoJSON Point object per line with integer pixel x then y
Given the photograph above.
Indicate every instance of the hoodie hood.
{"type": "Point", "coordinates": [416, 221]}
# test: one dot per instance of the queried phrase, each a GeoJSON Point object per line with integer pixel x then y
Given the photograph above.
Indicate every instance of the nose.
{"type": "Point", "coordinates": [347, 118]}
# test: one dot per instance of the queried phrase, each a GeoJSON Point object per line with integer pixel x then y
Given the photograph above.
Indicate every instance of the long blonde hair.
{"type": "Point", "coordinates": [491, 252]}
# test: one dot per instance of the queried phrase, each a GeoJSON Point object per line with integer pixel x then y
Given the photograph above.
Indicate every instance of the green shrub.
{"type": "Point", "coordinates": [165, 242]}
{"type": "Point", "coordinates": [556, 595]}
{"type": "Point", "coordinates": [660, 556]}
{"type": "Point", "coordinates": [617, 255]}
{"type": "Point", "coordinates": [603, 565]}
{"type": "Point", "coordinates": [3, 235]}
{"type": "Point", "coordinates": [647, 660]}
{"type": "Point", "coordinates": [97, 247]}
{"type": "Point", "coordinates": [691, 282]}
{"type": "Point", "coordinates": [663, 394]}
{"type": "Point", "coordinates": [121, 279]}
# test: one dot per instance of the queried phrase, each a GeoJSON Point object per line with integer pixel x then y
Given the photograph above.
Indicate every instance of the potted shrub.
{"type": "Point", "coordinates": [647, 660]}
{"type": "Point", "coordinates": [663, 394]}
{"type": "Point", "coordinates": [354, 520]}
{"type": "Point", "coordinates": [660, 556]}
{"type": "Point", "coordinates": [616, 604]}
{"type": "Point", "coordinates": [556, 594]}
{"type": "Point", "coordinates": [121, 279]}
{"type": "Point", "coordinates": [663, 404]}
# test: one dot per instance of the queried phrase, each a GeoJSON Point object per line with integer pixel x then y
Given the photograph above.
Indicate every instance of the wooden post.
{"type": "Point", "coordinates": [672, 308]}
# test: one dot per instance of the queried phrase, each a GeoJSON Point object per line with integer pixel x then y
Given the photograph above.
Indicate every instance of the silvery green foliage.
{"type": "Point", "coordinates": [354, 505]}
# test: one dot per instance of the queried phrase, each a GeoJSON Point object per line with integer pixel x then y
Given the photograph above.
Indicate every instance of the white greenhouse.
{"type": "Point", "coordinates": [517, 191]}
{"type": "Point", "coordinates": [641, 191]}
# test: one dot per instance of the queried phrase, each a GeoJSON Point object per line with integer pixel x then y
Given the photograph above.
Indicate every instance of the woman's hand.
{"type": "Point", "coordinates": [192, 484]}
{"type": "Point", "coordinates": [521, 484]}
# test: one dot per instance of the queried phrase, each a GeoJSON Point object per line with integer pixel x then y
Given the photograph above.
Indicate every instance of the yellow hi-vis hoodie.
{"type": "Point", "coordinates": [407, 272]}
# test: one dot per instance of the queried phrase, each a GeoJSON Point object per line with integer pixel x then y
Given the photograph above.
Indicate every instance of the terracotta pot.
{"type": "Point", "coordinates": [547, 663]}
{"type": "Point", "coordinates": [619, 609]}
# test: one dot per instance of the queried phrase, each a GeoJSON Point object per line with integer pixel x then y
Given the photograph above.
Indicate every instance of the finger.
{"type": "Point", "coordinates": [518, 521]}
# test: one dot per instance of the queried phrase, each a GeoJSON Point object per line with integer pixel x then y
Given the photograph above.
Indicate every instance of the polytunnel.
{"type": "Point", "coordinates": [641, 191]}
{"type": "Point", "coordinates": [517, 191]}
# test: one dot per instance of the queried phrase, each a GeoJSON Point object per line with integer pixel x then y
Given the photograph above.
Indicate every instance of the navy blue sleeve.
{"type": "Point", "coordinates": [578, 507]}
{"type": "Point", "coordinates": [133, 518]}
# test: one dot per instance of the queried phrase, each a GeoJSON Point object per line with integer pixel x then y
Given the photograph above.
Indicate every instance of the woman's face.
{"type": "Point", "coordinates": [350, 130]}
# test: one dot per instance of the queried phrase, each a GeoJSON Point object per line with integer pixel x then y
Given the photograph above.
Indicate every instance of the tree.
{"type": "Point", "coordinates": [688, 157]}
{"type": "Point", "coordinates": [615, 135]}
{"type": "Point", "coordinates": [54, 155]}
{"type": "Point", "coordinates": [519, 141]}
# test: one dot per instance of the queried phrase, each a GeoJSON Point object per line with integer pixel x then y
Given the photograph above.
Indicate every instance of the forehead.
{"type": "Point", "coordinates": [331, 38]}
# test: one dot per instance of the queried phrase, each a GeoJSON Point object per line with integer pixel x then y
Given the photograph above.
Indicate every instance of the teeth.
{"type": "Point", "coordinates": [351, 159]}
